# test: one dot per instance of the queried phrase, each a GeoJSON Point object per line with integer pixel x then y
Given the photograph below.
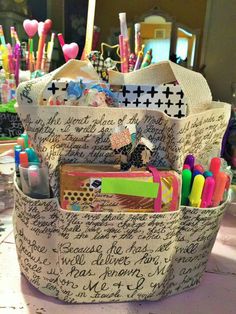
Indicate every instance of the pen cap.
{"type": "Point", "coordinates": [195, 173]}
{"type": "Point", "coordinates": [123, 25]}
{"type": "Point", "coordinates": [215, 165]}
{"type": "Point", "coordinates": [196, 192]}
{"type": "Point", "coordinates": [186, 167]}
{"type": "Point", "coordinates": [220, 185]}
{"type": "Point", "coordinates": [189, 160]}
{"type": "Point", "coordinates": [32, 156]}
{"type": "Point", "coordinates": [208, 173]}
{"type": "Point", "coordinates": [17, 147]}
{"type": "Point", "coordinates": [208, 191]}
{"type": "Point", "coordinates": [186, 185]}
{"type": "Point", "coordinates": [21, 142]}
{"type": "Point", "coordinates": [23, 159]}
{"type": "Point", "coordinates": [26, 139]}
{"type": "Point", "coordinates": [17, 156]}
{"type": "Point", "coordinates": [199, 168]}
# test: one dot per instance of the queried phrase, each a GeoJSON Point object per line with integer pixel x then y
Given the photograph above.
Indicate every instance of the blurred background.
{"type": "Point", "coordinates": [197, 34]}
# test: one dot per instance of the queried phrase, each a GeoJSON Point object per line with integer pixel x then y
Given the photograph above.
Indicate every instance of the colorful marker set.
{"type": "Point", "coordinates": [21, 55]}
{"type": "Point", "coordinates": [132, 61]}
{"type": "Point", "coordinates": [31, 176]}
{"type": "Point", "coordinates": [23, 152]}
{"type": "Point", "coordinates": [42, 58]}
{"type": "Point", "coordinates": [204, 188]}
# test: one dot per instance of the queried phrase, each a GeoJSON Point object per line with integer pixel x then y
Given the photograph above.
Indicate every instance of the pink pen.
{"type": "Point", "coordinates": [199, 168]}
{"type": "Point", "coordinates": [208, 191]}
{"type": "Point", "coordinates": [62, 43]}
{"type": "Point", "coordinates": [220, 184]}
{"type": "Point", "coordinates": [123, 54]}
{"type": "Point", "coordinates": [17, 63]}
{"type": "Point", "coordinates": [215, 166]}
{"type": "Point", "coordinates": [186, 166]}
{"type": "Point", "coordinates": [10, 59]}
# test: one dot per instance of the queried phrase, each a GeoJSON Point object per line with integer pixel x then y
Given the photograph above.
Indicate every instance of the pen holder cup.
{"type": "Point", "coordinates": [34, 180]}
{"type": "Point", "coordinates": [85, 257]}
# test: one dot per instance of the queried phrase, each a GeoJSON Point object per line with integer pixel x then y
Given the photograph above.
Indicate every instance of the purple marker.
{"type": "Point", "coordinates": [189, 160]}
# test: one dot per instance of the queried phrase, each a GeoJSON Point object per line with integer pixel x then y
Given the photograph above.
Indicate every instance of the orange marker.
{"type": "Point", "coordinates": [220, 185]}
{"type": "Point", "coordinates": [215, 166]}
{"type": "Point", "coordinates": [46, 28]}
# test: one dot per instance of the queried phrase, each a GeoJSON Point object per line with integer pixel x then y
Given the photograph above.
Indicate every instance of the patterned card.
{"type": "Point", "coordinates": [55, 91]}
{"type": "Point", "coordinates": [168, 98]}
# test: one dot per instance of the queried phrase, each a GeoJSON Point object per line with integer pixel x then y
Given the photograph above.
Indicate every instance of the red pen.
{"type": "Point", "coordinates": [215, 166]}
{"type": "Point", "coordinates": [199, 168]}
{"type": "Point", "coordinates": [24, 159]}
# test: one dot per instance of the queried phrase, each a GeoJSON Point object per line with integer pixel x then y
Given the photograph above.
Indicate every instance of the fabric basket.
{"type": "Point", "coordinates": [59, 132]}
{"type": "Point", "coordinates": [106, 257]}
{"type": "Point", "coordinates": [109, 257]}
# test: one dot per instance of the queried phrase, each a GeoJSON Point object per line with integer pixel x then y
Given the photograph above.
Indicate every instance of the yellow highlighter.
{"type": "Point", "coordinates": [196, 192]}
{"type": "Point", "coordinates": [5, 64]}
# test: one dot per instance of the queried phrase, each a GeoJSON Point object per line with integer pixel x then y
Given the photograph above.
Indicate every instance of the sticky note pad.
{"type": "Point", "coordinates": [129, 187]}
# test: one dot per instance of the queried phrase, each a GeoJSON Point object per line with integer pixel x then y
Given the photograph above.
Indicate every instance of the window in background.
{"type": "Point", "coordinates": [160, 49]}
{"type": "Point", "coordinates": [185, 47]}
{"type": "Point", "coordinates": [156, 35]}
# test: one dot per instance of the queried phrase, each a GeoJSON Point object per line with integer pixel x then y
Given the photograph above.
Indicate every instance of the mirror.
{"type": "Point", "coordinates": [156, 35]}
{"type": "Point", "coordinates": [168, 39]}
{"type": "Point", "coordinates": [186, 46]}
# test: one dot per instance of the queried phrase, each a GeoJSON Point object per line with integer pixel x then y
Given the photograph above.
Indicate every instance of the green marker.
{"type": "Point", "coordinates": [26, 139]}
{"type": "Point", "coordinates": [147, 59]}
{"type": "Point", "coordinates": [186, 186]}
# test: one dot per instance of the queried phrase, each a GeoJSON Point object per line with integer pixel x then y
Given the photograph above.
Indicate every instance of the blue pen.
{"type": "Point", "coordinates": [17, 157]}
{"type": "Point", "coordinates": [195, 173]}
{"type": "Point", "coordinates": [207, 174]}
{"type": "Point", "coordinates": [17, 162]}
